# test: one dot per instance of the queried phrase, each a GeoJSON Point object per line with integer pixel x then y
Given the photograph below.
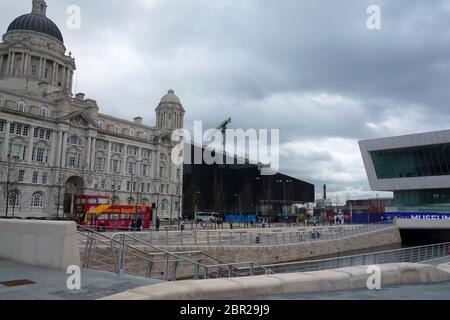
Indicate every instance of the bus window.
{"type": "Point", "coordinates": [103, 217]}
{"type": "Point", "coordinates": [92, 201]}
{"type": "Point", "coordinates": [103, 201]}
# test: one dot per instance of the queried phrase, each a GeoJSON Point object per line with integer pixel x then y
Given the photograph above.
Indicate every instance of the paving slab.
{"type": "Point", "coordinates": [51, 284]}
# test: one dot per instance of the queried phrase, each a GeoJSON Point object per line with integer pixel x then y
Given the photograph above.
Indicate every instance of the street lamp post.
{"type": "Point", "coordinates": [284, 191]}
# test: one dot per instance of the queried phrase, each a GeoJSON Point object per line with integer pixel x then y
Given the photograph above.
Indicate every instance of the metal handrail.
{"type": "Point", "coordinates": [404, 255]}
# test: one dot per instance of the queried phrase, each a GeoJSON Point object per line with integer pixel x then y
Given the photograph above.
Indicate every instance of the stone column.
{"type": "Point", "coordinates": [22, 64]}
{"type": "Point", "coordinates": [88, 153]}
{"type": "Point", "coordinates": [27, 64]}
{"type": "Point", "coordinates": [11, 67]}
{"type": "Point", "coordinates": [30, 146]}
{"type": "Point", "coordinates": [44, 66]}
{"type": "Point", "coordinates": [53, 80]}
{"type": "Point", "coordinates": [92, 164]}
{"type": "Point", "coordinates": [124, 162]}
{"type": "Point", "coordinates": [5, 147]}
{"type": "Point", "coordinates": [64, 77]}
{"type": "Point", "coordinates": [41, 67]}
{"type": "Point", "coordinates": [58, 149]}
{"type": "Point", "coordinates": [108, 157]}
{"type": "Point", "coordinates": [1, 64]}
{"type": "Point", "coordinates": [54, 149]}
{"type": "Point", "coordinates": [64, 150]}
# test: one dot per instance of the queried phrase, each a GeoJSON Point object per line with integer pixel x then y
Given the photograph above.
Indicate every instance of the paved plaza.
{"type": "Point", "coordinates": [51, 284]}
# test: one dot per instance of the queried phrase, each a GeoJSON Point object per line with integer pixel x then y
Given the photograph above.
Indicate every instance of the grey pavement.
{"type": "Point", "coordinates": [51, 284]}
{"type": "Point", "coordinates": [438, 291]}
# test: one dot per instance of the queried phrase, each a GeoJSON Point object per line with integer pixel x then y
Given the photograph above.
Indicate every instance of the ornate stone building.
{"type": "Point", "coordinates": [61, 144]}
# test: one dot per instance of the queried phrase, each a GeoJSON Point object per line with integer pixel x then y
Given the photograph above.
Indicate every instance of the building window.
{"type": "Point", "coordinates": [21, 106]}
{"type": "Point", "coordinates": [116, 147]}
{"type": "Point", "coordinates": [44, 178]}
{"type": "Point", "coordinates": [103, 186]}
{"type": "Point", "coordinates": [102, 145]}
{"type": "Point", "coordinates": [37, 201]}
{"type": "Point", "coordinates": [116, 128]}
{"type": "Point", "coordinates": [33, 70]}
{"type": "Point", "coordinates": [132, 132]}
{"type": "Point", "coordinates": [100, 163]}
{"type": "Point", "coordinates": [178, 174]}
{"type": "Point", "coordinates": [17, 151]}
{"type": "Point", "coordinates": [74, 140]}
{"type": "Point", "coordinates": [19, 129]}
{"type": "Point", "coordinates": [131, 167]}
{"type": "Point", "coordinates": [2, 126]}
{"type": "Point", "coordinates": [44, 112]}
{"type": "Point", "coordinates": [40, 155]}
{"type": "Point", "coordinates": [148, 187]}
{"type": "Point", "coordinates": [178, 190]}
{"type": "Point", "coordinates": [114, 165]}
{"type": "Point", "coordinates": [35, 177]}
{"type": "Point", "coordinates": [146, 135]}
{"type": "Point", "coordinates": [1, 102]}
{"type": "Point", "coordinates": [133, 151]}
{"type": "Point", "coordinates": [43, 134]}
{"type": "Point", "coordinates": [101, 124]}
{"type": "Point", "coordinates": [21, 176]}
{"type": "Point", "coordinates": [14, 199]}
{"type": "Point", "coordinates": [145, 170]}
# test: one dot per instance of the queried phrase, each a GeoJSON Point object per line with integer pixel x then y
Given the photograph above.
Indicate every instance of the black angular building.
{"type": "Point", "coordinates": [240, 189]}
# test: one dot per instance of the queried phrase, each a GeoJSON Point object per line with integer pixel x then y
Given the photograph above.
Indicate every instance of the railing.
{"type": "Point", "coordinates": [204, 266]}
{"type": "Point", "coordinates": [414, 254]}
{"type": "Point", "coordinates": [266, 237]}
{"type": "Point", "coordinates": [116, 252]}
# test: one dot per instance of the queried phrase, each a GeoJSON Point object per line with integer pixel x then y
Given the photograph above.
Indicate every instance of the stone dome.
{"type": "Point", "coordinates": [170, 97]}
{"type": "Point", "coordinates": [37, 21]}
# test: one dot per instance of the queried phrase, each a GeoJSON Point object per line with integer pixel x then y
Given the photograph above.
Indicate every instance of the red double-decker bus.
{"type": "Point", "coordinates": [86, 203]}
{"type": "Point", "coordinates": [103, 216]}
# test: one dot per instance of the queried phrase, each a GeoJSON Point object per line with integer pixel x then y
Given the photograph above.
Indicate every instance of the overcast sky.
{"type": "Point", "coordinates": [310, 68]}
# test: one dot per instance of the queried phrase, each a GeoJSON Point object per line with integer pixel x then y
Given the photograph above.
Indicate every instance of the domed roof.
{"type": "Point", "coordinates": [37, 21]}
{"type": "Point", "coordinates": [170, 97]}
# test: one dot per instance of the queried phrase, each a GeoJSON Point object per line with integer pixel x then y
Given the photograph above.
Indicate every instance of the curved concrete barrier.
{"type": "Point", "coordinates": [294, 283]}
{"type": "Point", "coordinates": [48, 244]}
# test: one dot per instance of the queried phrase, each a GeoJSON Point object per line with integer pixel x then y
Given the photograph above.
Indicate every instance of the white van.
{"type": "Point", "coordinates": [207, 217]}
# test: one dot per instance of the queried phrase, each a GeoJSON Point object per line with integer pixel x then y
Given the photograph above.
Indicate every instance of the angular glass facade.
{"type": "Point", "coordinates": [414, 162]}
{"type": "Point", "coordinates": [414, 198]}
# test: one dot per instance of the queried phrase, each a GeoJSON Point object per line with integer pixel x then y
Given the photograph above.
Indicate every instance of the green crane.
{"type": "Point", "coordinates": [223, 128]}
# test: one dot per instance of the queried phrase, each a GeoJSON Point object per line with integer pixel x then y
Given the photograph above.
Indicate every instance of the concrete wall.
{"type": "Point", "coordinates": [414, 224]}
{"type": "Point", "coordinates": [283, 284]}
{"type": "Point", "coordinates": [294, 252]}
{"type": "Point", "coordinates": [45, 244]}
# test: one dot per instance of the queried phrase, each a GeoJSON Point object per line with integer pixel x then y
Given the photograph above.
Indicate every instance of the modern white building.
{"type": "Point", "coordinates": [416, 168]}
{"type": "Point", "coordinates": [56, 141]}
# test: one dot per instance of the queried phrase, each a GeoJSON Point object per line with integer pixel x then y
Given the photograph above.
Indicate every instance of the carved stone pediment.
{"type": "Point", "coordinates": [80, 119]}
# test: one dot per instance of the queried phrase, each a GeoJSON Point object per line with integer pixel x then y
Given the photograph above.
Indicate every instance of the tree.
{"type": "Point", "coordinates": [60, 185]}
{"type": "Point", "coordinates": [219, 194]}
{"type": "Point", "coordinates": [9, 175]}
{"type": "Point", "coordinates": [113, 190]}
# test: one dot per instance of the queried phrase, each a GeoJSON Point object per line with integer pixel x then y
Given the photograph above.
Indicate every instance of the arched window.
{"type": "Point", "coordinates": [14, 199]}
{"type": "Point", "coordinates": [146, 135]}
{"type": "Point", "coordinates": [101, 124]}
{"type": "Point", "coordinates": [37, 200]}
{"type": "Point", "coordinates": [44, 112]}
{"type": "Point", "coordinates": [116, 128]}
{"type": "Point", "coordinates": [21, 106]}
{"type": "Point", "coordinates": [132, 132]}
